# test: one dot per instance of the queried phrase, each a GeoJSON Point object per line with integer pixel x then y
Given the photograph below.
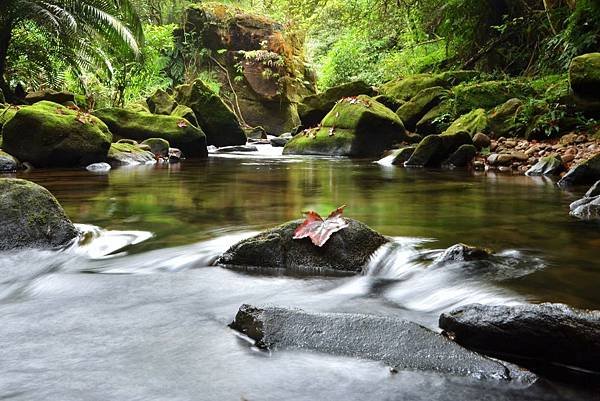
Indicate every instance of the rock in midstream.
{"type": "Point", "coordinates": [348, 251]}
{"type": "Point", "coordinates": [532, 335]}
{"type": "Point", "coordinates": [401, 344]}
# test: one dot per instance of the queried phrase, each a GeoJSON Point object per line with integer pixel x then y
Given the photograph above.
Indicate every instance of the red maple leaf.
{"type": "Point", "coordinates": [318, 230]}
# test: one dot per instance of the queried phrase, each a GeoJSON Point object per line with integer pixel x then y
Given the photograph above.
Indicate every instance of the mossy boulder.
{"type": "Point", "coordinates": [218, 122]}
{"type": "Point", "coordinates": [186, 113]}
{"type": "Point", "coordinates": [436, 120]}
{"type": "Point", "coordinates": [50, 96]}
{"type": "Point", "coordinates": [158, 146]}
{"type": "Point", "coordinates": [312, 109]}
{"type": "Point", "coordinates": [6, 114]}
{"type": "Point", "coordinates": [8, 163]}
{"type": "Point", "coordinates": [454, 78]}
{"type": "Point", "coordinates": [415, 109]}
{"type": "Point", "coordinates": [138, 107]}
{"type": "Point", "coordinates": [473, 122]}
{"type": "Point", "coordinates": [584, 76]}
{"type": "Point", "coordinates": [140, 126]}
{"type": "Point", "coordinates": [585, 173]}
{"type": "Point", "coordinates": [276, 118]}
{"type": "Point", "coordinates": [30, 217]}
{"type": "Point", "coordinates": [126, 154]}
{"type": "Point", "coordinates": [402, 155]}
{"type": "Point", "coordinates": [389, 102]}
{"type": "Point", "coordinates": [161, 103]}
{"type": "Point", "coordinates": [347, 251]}
{"type": "Point", "coordinates": [47, 134]}
{"type": "Point", "coordinates": [355, 127]}
{"type": "Point", "coordinates": [408, 87]}
{"type": "Point", "coordinates": [462, 156]}
{"type": "Point", "coordinates": [503, 120]}
{"type": "Point", "coordinates": [486, 95]}
{"type": "Point", "coordinates": [433, 150]}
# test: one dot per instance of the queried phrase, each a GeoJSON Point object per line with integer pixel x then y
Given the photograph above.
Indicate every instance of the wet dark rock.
{"type": "Point", "coordinates": [587, 172]}
{"type": "Point", "coordinates": [158, 146]}
{"type": "Point", "coordinates": [481, 141]}
{"type": "Point", "coordinates": [587, 208]}
{"type": "Point", "coordinates": [434, 149]}
{"type": "Point", "coordinates": [8, 163]}
{"type": "Point", "coordinates": [398, 343]}
{"type": "Point", "coordinates": [30, 217]}
{"type": "Point", "coordinates": [279, 142]}
{"type": "Point", "coordinates": [549, 165]}
{"type": "Point", "coordinates": [241, 148]}
{"type": "Point", "coordinates": [124, 154]}
{"type": "Point", "coordinates": [256, 133]}
{"type": "Point", "coordinates": [463, 253]}
{"type": "Point", "coordinates": [402, 155]}
{"type": "Point", "coordinates": [462, 156]}
{"type": "Point", "coordinates": [532, 335]}
{"type": "Point", "coordinates": [594, 190]}
{"type": "Point", "coordinates": [174, 155]}
{"type": "Point", "coordinates": [347, 251]}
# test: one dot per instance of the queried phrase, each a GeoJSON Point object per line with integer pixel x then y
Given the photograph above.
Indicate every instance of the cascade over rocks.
{"type": "Point", "coordinates": [355, 127]}
{"type": "Point", "coordinates": [30, 217]}
{"type": "Point", "coordinates": [347, 251]}
{"type": "Point", "coordinates": [47, 134]}
{"type": "Point", "coordinates": [532, 335]}
{"type": "Point", "coordinates": [401, 344]}
{"type": "Point", "coordinates": [140, 126]}
{"type": "Point", "coordinates": [275, 76]}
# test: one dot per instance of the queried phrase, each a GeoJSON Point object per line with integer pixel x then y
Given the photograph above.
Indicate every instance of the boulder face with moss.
{"type": "Point", "coordinates": [486, 95]}
{"type": "Point", "coordinates": [262, 70]}
{"type": "Point", "coordinates": [314, 108]}
{"type": "Point", "coordinates": [355, 127]}
{"type": "Point", "coordinates": [140, 126]}
{"type": "Point", "coordinates": [218, 122]}
{"type": "Point", "coordinates": [408, 87]}
{"type": "Point", "coordinates": [434, 150]}
{"type": "Point", "coordinates": [416, 108]}
{"type": "Point", "coordinates": [472, 123]}
{"type": "Point", "coordinates": [47, 134]}
{"type": "Point", "coordinates": [504, 119]}
{"type": "Point", "coordinates": [127, 154]}
{"type": "Point", "coordinates": [584, 76]}
{"type": "Point", "coordinates": [161, 103]}
{"type": "Point", "coordinates": [30, 217]}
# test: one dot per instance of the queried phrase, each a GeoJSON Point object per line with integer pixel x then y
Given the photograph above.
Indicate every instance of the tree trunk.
{"type": "Point", "coordinates": [5, 38]}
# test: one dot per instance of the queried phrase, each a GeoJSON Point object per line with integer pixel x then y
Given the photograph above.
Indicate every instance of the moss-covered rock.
{"type": "Point", "coordinates": [47, 134]}
{"type": "Point", "coordinates": [435, 149]}
{"type": "Point", "coordinates": [347, 250]}
{"type": "Point", "coordinates": [389, 102]}
{"type": "Point", "coordinates": [141, 126]}
{"type": "Point", "coordinates": [186, 113]}
{"type": "Point", "coordinates": [486, 95]}
{"type": "Point", "coordinates": [161, 103]}
{"type": "Point", "coordinates": [402, 155]}
{"type": "Point", "coordinates": [462, 156]}
{"type": "Point", "coordinates": [473, 122]}
{"type": "Point", "coordinates": [30, 217]}
{"type": "Point", "coordinates": [454, 78]}
{"type": "Point", "coordinates": [408, 87]}
{"type": "Point", "coordinates": [584, 76]}
{"type": "Point", "coordinates": [50, 96]}
{"type": "Point", "coordinates": [415, 109]}
{"type": "Point", "coordinates": [585, 173]}
{"type": "Point", "coordinates": [436, 120]}
{"type": "Point", "coordinates": [125, 154]}
{"type": "Point", "coordinates": [8, 163]}
{"type": "Point", "coordinates": [158, 146]}
{"type": "Point", "coordinates": [6, 114]}
{"type": "Point", "coordinates": [314, 108]}
{"type": "Point", "coordinates": [218, 122]}
{"type": "Point", "coordinates": [276, 118]}
{"type": "Point", "coordinates": [138, 107]}
{"type": "Point", "coordinates": [355, 127]}
{"type": "Point", "coordinates": [503, 120]}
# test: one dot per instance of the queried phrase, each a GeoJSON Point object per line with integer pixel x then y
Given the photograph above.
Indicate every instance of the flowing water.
{"type": "Point", "coordinates": [138, 312]}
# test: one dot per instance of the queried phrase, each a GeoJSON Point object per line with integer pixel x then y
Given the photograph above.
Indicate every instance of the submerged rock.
{"type": "Point", "coordinates": [8, 163]}
{"type": "Point", "coordinates": [30, 217]}
{"type": "Point", "coordinates": [587, 172]}
{"type": "Point", "coordinates": [124, 154]}
{"type": "Point", "coordinates": [50, 135]}
{"type": "Point", "coordinates": [594, 190]}
{"type": "Point", "coordinates": [398, 343]}
{"type": "Point", "coordinates": [314, 108]}
{"type": "Point", "coordinates": [355, 127]}
{"type": "Point", "coordinates": [549, 165]}
{"type": "Point", "coordinates": [279, 142]}
{"type": "Point", "coordinates": [347, 251]}
{"type": "Point", "coordinates": [98, 167]}
{"type": "Point", "coordinates": [141, 126]}
{"type": "Point", "coordinates": [463, 253]}
{"type": "Point", "coordinates": [242, 148]}
{"type": "Point", "coordinates": [587, 208]}
{"type": "Point", "coordinates": [532, 335]}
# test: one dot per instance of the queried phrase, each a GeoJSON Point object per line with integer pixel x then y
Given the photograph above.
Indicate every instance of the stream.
{"type": "Point", "coordinates": [136, 311]}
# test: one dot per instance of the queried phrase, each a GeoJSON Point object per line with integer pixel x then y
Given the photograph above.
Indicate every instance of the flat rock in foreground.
{"type": "Point", "coordinates": [401, 344]}
{"type": "Point", "coordinates": [347, 251]}
{"type": "Point", "coordinates": [544, 334]}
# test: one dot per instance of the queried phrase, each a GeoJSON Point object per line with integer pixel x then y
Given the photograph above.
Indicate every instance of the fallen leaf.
{"type": "Point", "coordinates": [182, 124]}
{"type": "Point", "coordinates": [318, 230]}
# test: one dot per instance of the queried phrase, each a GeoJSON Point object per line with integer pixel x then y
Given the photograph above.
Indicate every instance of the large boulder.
{"type": "Point", "coordinates": [486, 95]}
{"type": "Point", "coordinates": [47, 134]}
{"type": "Point", "coordinates": [586, 208]}
{"type": "Point", "coordinates": [433, 150]}
{"type": "Point", "coordinates": [186, 113]}
{"type": "Point", "coordinates": [548, 165]}
{"type": "Point", "coordinates": [584, 76]}
{"type": "Point", "coordinates": [415, 109]}
{"type": "Point", "coordinates": [314, 108]}
{"type": "Point", "coordinates": [585, 173]}
{"type": "Point", "coordinates": [161, 103]}
{"type": "Point", "coordinates": [355, 127]}
{"type": "Point", "coordinates": [347, 251]}
{"type": "Point", "coordinates": [30, 217]}
{"type": "Point", "coordinates": [400, 344]}
{"type": "Point", "coordinates": [141, 126]}
{"type": "Point", "coordinates": [405, 88]}
{"type": "Point", "coordinates": [472, 122]}
{"type": "Point", "coordinates": [261, 65]}
{"type": "Point", "coordinates": [126, 154]}
{"type": "Point", "coordinates": [532, 335]}
{"type": "Point", "coordinates": [503, 119]}
{"type": "Point", "coordinates": [218, 122]}
{"type": "Point", "coordinates": [436, 120]}
{"type": "Point", "coordinates": [50, 96]}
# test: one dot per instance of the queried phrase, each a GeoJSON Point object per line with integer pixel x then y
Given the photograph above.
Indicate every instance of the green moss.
{"type": "Point", "coordinates": [486, 95]}
{"type": "Point", "coordinates": [186, 113]}
{"type": "Point", "coordinates": [161, 103]}
{"type": "Point", "coordinates": [473, 122]}
{"type": "Point", "coordinates": [178, 132]}
{"type": "Point", "coordinates": [406, 88]}
{"type": "Point", "coordinates": [318, 141]}
{"type": "Point", "coordinates": [505, 119]}
{"type": "Point", "coordinates": [436, 120]}
{"type": "Point", "coordinates": [48, 134]}
{"type": "Point", "coordinates": [412, 111]}
{"type": "Point", "coordinates": [219, 123]}
{"type": "Point", "coordinates": [584, 75]}
{"type": "Point", "coordinates": [350, 112]}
